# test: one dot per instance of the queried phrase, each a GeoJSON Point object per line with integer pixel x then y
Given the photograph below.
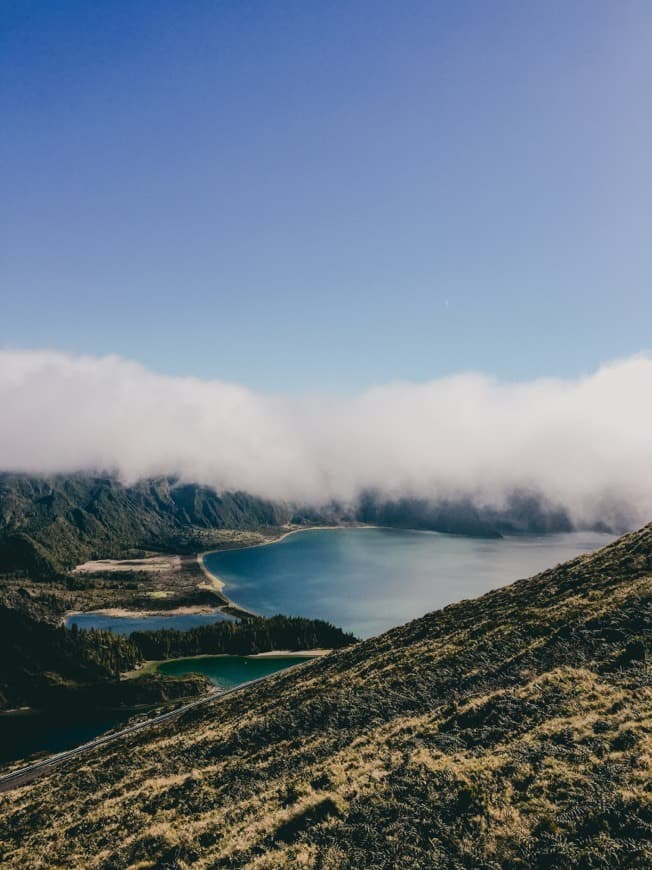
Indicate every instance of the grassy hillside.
{"type": "Point", "coordinates": [48, 525]}
{"type": "Point", "coordinates": [514, 730]}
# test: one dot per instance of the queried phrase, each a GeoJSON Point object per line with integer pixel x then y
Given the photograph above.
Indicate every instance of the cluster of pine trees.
{"type": "Point", "coordinates": [37, 658]}
{"type": "Point", "coordinates": [242, 638]}
{"type": "Point", "coordinates": [39, 661]}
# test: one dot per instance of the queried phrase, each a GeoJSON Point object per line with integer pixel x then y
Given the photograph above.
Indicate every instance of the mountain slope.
{"type": "Point", "coordinates": [50, 524]}
{"type": "Point", "coordinates": [514, 730]}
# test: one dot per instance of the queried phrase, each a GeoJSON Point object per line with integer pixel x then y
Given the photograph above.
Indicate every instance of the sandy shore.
{"type": "Point", "coordinates": [124, 613]}
{"type": "Point", "coordinates": [151, 564]}
{"type": "Point", "coordinates": [213, 581]}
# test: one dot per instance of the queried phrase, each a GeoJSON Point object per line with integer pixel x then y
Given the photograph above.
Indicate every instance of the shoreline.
{"type": "Point", "coordinates": [277, 540]}
{"type": "Point", "coordinates": [214, 584]}
{"type": "Point", "coordinates": [221, 585]}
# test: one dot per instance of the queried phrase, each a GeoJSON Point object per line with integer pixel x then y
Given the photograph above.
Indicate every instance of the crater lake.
{"type": "Point", "coordinates": [367, 580]}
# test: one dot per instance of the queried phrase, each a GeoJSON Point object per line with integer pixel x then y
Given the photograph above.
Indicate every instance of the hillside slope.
{"type": "Point", "coordinates": [49, 524]}
{"type": "Point", "coordinates": [514, 730]}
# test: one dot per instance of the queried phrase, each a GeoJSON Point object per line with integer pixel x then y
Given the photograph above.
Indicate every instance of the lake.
{"type": "Point", "coordinates": [227, 672]}
{"type": "Point", "coordinates": [367, 580]}
{"type": "Point", "coordinates": [128, 624]}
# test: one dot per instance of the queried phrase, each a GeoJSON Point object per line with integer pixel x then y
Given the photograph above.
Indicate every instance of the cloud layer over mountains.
{"type": "Point", "coordinates": [585, 443]}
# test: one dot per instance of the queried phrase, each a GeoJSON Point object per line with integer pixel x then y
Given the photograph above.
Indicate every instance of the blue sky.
{"type": "Point", "coordinates": [300, 196]}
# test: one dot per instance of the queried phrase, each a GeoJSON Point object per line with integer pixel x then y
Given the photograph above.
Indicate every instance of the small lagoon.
{"type": "Point", "coordinates": [227, 672]}
{"type": "Point", "coordinates": [129, 624]}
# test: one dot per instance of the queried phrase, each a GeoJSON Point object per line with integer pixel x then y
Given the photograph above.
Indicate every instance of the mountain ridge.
{"type": "Point", "coordinates": [49, 524]}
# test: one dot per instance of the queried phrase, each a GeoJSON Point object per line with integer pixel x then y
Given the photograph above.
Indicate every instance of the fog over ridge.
{"type": "Point", "coordinates": [584, 443]}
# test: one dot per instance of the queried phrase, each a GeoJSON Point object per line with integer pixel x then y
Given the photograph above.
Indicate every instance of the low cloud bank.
{"type": "Point", "coordinates": [585, 444]}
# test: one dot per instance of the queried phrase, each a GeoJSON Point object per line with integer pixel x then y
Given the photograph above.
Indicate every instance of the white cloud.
{"type": "Point", "coordinates": [582, 442]}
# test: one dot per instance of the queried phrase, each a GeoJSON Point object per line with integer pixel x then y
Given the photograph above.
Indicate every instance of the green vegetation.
{"type": "Point", "coordinates": [41, 662]}
{"type": "Point", "coordinates": [182, 583]}
{"type": "Point", "coordinates": [514, 730]}
{"type": "Point", "coordinates": [44, 666]}
{"type": "Point", "coordinates": [53, 668]}
{"type": "Point", "coordinates": [50, 524]}
{"type": "Point", "coordinates": [242, 638]}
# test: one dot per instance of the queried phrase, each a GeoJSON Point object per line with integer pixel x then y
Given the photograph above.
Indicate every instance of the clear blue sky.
{"type": "Point", "coordinates": [298, 195]}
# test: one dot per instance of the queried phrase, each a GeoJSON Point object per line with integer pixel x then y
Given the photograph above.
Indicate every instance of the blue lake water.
{"type": "Point", "coordinates": [368, 580]}
{"type": "Point", "coordinates": [127, 624]}
{"type": "Point", "coordinates": [230, 671]}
